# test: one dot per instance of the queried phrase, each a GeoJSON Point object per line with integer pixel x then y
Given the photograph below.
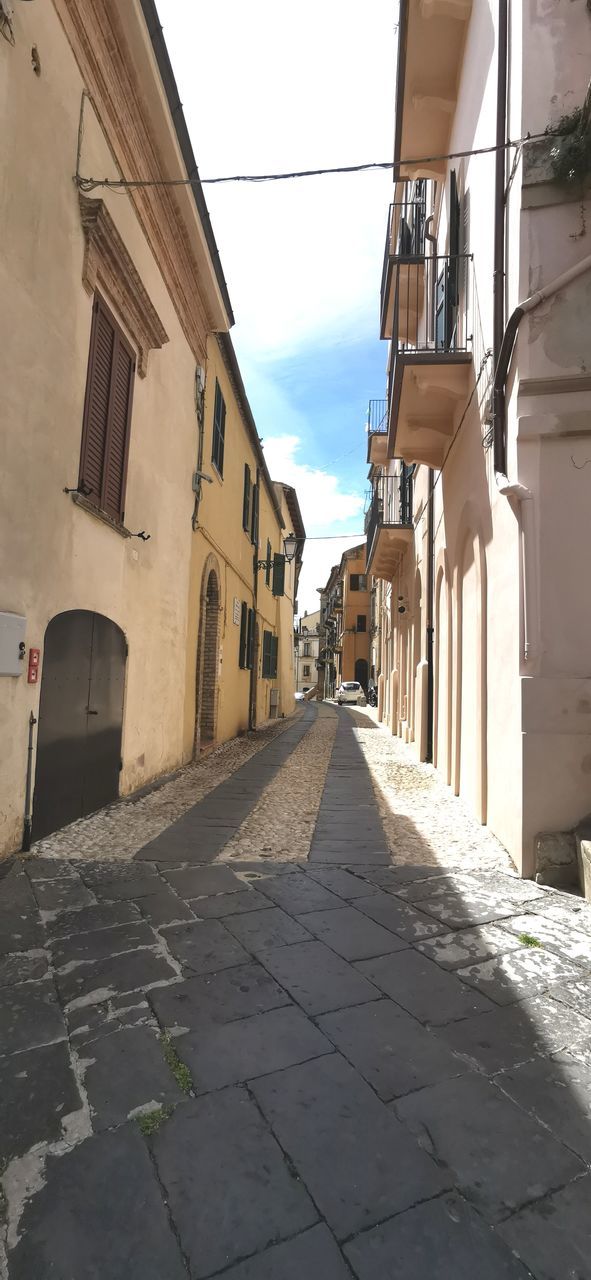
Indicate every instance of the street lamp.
{"type": "Point", "coordinates": [290, 546]}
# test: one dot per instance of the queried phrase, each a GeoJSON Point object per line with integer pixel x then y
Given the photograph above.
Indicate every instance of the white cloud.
{"type": "Point", "coordinates": [268, 87]}
{"type": "Point", "coordinates": [321, 500]}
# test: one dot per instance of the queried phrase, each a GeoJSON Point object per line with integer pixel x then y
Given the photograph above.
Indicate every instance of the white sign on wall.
{"type": "Point", "coordinates": [236, 612]}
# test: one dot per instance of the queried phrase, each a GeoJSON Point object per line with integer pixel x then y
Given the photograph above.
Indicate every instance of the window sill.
{"type": "Point", "coordinates": [83, 502]}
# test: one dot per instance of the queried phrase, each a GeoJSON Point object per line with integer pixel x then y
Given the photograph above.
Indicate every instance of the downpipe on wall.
{"type": "Point", "coordinates": [28, 823]}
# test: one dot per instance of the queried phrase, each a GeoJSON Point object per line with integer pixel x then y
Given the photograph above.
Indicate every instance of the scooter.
{"type": "Point", "coordinates": [372, 696]}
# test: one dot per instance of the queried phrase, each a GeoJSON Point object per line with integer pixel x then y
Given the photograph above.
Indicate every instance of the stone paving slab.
{"type": "Point", "coordinates": [99, 1213]}
{"type": "Point", "coordinates": [194, 882]}
{"type": "Point", "coordinates": [516, 974]}
{"type": "Point", "coordinates": [164, 908]}
{"type": "Point", "coordinates": [102, 916]}
{"type": "Point", "coordinates": [317, 979]}
{"type": "Point", "coordinates": [391, 1050]}
{"type": "Point", "coordinates": [505, 1037]}
{"type": "Point", "coordinates": [553, 1237]}
{"type": "Point", "coordinates": [455, 950]}
{"type": "Point", "coordinates": [298, 893]}
{"type": "Point", "coordinates": [403, 919]}
{"type": "Point", "coordinates": [228, 1187]}
{"type": "Point", "coordinates": [22, 967]}
{"type": "Point", "coordinates": [556, 936]}
{"type": "Point", "coordinates": [557, 1092]}
{"type": "Point", "coordinates": [229, 904]}
{"type": "Point", "coordinates": [204, 947]}
{"type": "Point", "coordinates": [577, 995]}
{"type": "Point", "coordinates": [351, 934]}
{"type": "Point", "coordinates": [241, 1050]}
{"type": "Point", "coordinates": [215, 998]}
{"type": "Point", "coordinates": [314, 1255]}
{"type": "Point", "coordinates": [101, 943]}
{"type": "Point", "coordinates": [114, 976]}
{"type": "Point", "coordinates": [342, 883]}
{"type": "Point", "coordinates": [445, 1237]}
{"type": "Point", "coordinates": [37, 1090]}
{"type": "Point", "coordinates": [422, 988]}
{"type": "Point", "coordinates": [20, 926]}
{"type": "Point", "coordinates": [124, 1072]}
{"type": "Point", "coordinates": [63, 894]}
{"type": "Point", "coordinates": [572, 912]}
{"type": "Point", "coordinates": [30, 1015]}
{"type": "Point", "coordinates": [260, 930]}
{"type": "Point", "coordinates": [501, 1158]}
{"type": "Point", "coordinates": [358, 1162]}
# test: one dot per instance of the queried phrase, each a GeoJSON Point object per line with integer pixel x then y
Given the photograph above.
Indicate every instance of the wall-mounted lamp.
{"type": "Point", "coordinates": [145, 537]}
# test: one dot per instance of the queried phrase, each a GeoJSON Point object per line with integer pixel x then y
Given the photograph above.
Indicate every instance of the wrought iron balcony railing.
{"type": "Point", "coordinates": [377, 417]}
{"type": "Point", "coordinates": [391, 505]}
{"type": "Point", "coordinates": [431, 305]}
{"type": "Point", "coordinates": [405, 237]}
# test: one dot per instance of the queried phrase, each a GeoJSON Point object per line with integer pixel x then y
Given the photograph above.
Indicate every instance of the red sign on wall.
{"type": "Point", "coordinates": [33, 671]}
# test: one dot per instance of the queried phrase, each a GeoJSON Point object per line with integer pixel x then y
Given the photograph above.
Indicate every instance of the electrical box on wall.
{"type": "Point", "coordinates": [12, 644]}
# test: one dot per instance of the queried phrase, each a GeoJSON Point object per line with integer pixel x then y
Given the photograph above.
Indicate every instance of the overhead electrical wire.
{"type": "Point", "coordinates": [126, 184]}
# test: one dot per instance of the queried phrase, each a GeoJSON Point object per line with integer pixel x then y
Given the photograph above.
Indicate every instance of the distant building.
{"type": "Point", "coordinates": [307, 647]}
{"type": "Point", "coordinates": [345, 622]}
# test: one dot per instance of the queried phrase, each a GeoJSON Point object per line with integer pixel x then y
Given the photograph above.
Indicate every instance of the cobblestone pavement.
{"type": "Point", "coordinates": [344, 1065]}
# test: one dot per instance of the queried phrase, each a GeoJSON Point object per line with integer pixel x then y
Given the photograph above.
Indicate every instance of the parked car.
{"type": "Point", "coordinates": [299, 697]}
{"type": "Point", "coordinates": [350, 691]}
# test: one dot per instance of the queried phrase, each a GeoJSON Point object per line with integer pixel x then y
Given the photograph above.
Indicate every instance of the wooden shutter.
{"type": "Point", "coordinates": [268, 564]}
{"type": "Point", "coordinates": [354, 582]}
{"type": "Point", "coordinates": [254, 532]}
{"type": "Point", "coordinates": [246, 499]}
{"type": "Point", "coordinates": [278, 574]}
{"type": "Point", "coordinates": [266, 654]}
{"type": "Point", "coordinates": [243, 635]}
{"type": "Point", "coordinates": [219, 429]}
{"type": "Point", "coordinates": [107, 414]}
{"type": "Point", "coordinates": [250, 638]}
{"type": "Point", "coordinates": [274, 652]}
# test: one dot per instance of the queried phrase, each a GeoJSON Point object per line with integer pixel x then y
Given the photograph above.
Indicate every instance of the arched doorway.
{"type": "Point", "coordinates": [80, 719]}
{"type": "Point", "coordinates": [361, 673]}
{"type": "Point", "coordinates": [207, 658]}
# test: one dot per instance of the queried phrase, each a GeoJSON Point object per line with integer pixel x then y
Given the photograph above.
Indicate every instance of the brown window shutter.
{"type": "Point", "coordinates": [118, 431]}
{"type": "Point", "coordinates": [96, 408]}
{"type": "Point", "coordinates": [107, 414]}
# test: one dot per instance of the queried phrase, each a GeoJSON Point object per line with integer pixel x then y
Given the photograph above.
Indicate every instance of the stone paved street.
{"type": "Point", "coordinates": [331, 1063]}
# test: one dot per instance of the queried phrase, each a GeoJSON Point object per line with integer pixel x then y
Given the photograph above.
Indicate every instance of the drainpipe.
{"type": "Point", "coordinates": [499, 227]}
{"type": "Point", "coordinates": [28, 825]}
{"type": "Point", "coordinates": [430, 614]}
{"type": "Point", "coordinates": [433, 242]}
{"type": "Point", "coordinates": [255, 652]}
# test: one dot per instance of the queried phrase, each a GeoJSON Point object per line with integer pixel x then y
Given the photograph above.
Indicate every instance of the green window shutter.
{"type": "Point", "coordinates": [274, 653]}
{"type": "Point", "coordinates": [219, 429]}
{"type": "Point", "coordinates": [266, 654]}
{"type": "Point", "coordinates": [250, 639]}
{"type": "Point", "coordinates": [278, 574]}
{"type": "Point", "coordinates": [243, 635]}
{"type": "Point", "coordinates": [268, 564]}
{"type": "Point", "coordinates": [254, 529]}
{"type": "Point", "coordinates": [246, 499]}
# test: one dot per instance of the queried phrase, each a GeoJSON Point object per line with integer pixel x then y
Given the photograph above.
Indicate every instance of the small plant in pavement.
{"type": "Point", "coordinates": [528, 940]}
{"type": "Point", "coordinates": [180, 1072]}
{"type": "Point", "coordinates": [151, 1121]}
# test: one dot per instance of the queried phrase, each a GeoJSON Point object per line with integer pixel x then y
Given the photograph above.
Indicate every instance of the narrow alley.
{"type": "Point", "coordinates": [309, 1023]}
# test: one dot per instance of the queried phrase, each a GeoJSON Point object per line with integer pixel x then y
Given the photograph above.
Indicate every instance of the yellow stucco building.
{"type": "Point", "coordinates": [123, 573]}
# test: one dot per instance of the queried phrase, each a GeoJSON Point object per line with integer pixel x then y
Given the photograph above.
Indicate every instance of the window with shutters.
{"type": "Point", "coordinates": [107, 415]}
{"type": "Point", "coordinates": [250, 639]}
{"type": "Point", "coordinates": [268, 565]}
{"type": "Point", "coordinates": [362, 622]}
{"type": "Point", "coordinates": [358, 582]}
{"type": "Point", "coordinates": [278, 574]}
{"type": "Point", "coordinates": [246, 499]}
{"type": "Point", "coordinates": [270, 650]}
{"type": "Point", "coordinates": [254, 519]}
{"type": "Point", "coordinates": [219, 430]}
{"type": "Point", "coordinates": [242, 646]}
{"type": "Point", "coordinates": [306, 671]}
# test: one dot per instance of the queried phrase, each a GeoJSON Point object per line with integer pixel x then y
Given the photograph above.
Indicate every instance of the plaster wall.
{"type": "Point", "coordinates": [55, 556]}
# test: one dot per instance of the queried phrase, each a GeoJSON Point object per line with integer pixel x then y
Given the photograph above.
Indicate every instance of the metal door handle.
{"type": "Point", "coordinates": [91, 713]}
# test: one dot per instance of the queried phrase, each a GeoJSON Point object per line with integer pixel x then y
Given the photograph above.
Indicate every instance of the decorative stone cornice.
{"type": "Point", "coordinates": [95, 32]}
{"type": "Point", "coordinates": [107, 264]}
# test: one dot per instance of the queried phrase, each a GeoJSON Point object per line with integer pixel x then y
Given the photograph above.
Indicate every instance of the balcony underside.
{"type": "Point", "coordinates": [427, 90]}
{"type": "Point", "coordinates": [389, 544]}
{"type": "Point", "coordinates": [409, 273]}
{"type": "Point", "coordinates": [377, 448]}
{"type": "Point", "coordinates": [427, 391]}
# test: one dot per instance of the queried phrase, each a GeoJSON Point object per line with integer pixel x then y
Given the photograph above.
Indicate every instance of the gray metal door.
{"type": "Point", "coordinates": [80, 719]}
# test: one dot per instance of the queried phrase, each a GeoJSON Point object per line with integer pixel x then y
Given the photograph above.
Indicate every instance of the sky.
{"type": "Point", "coordinates": [267, 88]}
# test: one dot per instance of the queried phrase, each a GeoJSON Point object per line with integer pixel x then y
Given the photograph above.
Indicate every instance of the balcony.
{"type": "Point", "coordinates": [431, 48]}
{"type": "Point", "coordinates": [431, 371]}
{"type": "Point", "coordinates": [377, 432]}
{"type": "Point", "coordinates": [404, 258]}
{"type": "Point", "coordinates": [388, 524]}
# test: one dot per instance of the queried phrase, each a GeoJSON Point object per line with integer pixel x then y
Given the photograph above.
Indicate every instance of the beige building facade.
{"type": "Point", "coordinates": [113, 345]}
{"type": "Point", "coordinates": [479, 511]}
{"type": "Point", "coordinates": [307, 648]}
{"type": "Point", "coordinates": [345, 623]}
